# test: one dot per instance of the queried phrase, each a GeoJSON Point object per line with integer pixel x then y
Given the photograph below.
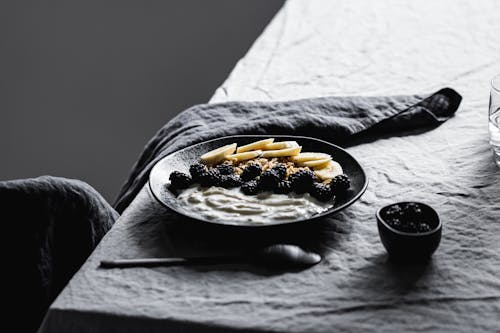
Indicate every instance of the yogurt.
{"type": "Point", "coordinates": [217, 203]}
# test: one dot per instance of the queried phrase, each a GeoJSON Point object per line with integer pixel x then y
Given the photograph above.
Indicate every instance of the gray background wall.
{"type": "Point", "coordinates": [84, 84]}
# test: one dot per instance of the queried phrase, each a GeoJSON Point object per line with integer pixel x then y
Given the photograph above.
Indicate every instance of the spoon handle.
{"type": "Point", "coordinates": [154, 262]}
{"type": "Point", "coordinates": [273, 256]}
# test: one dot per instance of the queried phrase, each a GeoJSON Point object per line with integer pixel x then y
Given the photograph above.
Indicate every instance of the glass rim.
{"type": "Point", "coordinates": [495, 83]}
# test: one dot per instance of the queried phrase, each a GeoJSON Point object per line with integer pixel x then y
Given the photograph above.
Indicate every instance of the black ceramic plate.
{"type": "Point", "coordinates": [182, 159]}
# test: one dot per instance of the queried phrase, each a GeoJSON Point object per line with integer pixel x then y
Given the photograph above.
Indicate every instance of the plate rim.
{"type": "Point", "coordinates": [260, 225]}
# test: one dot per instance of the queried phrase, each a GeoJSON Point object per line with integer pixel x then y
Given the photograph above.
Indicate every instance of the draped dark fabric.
{"type": "Point", "coordinates": [340, 120]}
{"type": "Point", "coordinates": [50, 227]}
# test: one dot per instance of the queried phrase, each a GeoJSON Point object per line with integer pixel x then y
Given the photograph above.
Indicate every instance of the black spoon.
{"type": "Point", "coordinates": [282, 255]}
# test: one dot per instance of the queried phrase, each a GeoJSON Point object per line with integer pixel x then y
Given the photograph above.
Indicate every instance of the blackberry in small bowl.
{"type": "Point", "coordinates": [411, 210]}
{"type": "Point", "coordinates": [251, 171]}
{"type": "Point", "coordinates": [394, 211]}
{"type": "Point", "coordinates": [179, 180]}
{"type": "Point", "coordinates": [409, 230]}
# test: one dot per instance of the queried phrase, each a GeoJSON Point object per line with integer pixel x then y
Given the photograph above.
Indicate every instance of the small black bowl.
{"type": "Point", "coordinates": [408, 245]}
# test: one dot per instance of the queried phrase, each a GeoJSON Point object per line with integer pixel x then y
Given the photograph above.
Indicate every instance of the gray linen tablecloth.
{"type": "Point", "coordinates": [322, 48]}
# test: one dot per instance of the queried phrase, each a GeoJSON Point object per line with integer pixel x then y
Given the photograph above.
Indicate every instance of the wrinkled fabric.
{"type": "Point", "coordinates": [324, 48]}
{"type": "Point", "coordinates": [334, 119]}
{"type": "Point", "coordinates": [50, 227]}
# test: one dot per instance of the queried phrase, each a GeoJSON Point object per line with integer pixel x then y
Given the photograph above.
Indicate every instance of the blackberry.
{"type": "Point", "coordinates": [394, 211]}
{"type": "Point", "coordinates": [302, 180]}
{"type": "Point", "coordinates": [280, 170]}
{"type": "Point", "coordinates": [211, 178]}
{"type": "Point", "coordinates": [251, 172]}
{"type": "Point", "coordinates": [197, 170]}
{"type": "Point", "coordinates": [179, 180]}
{"type": "Point", "coordinates": [321, 192]}
{"type": "Point", "coordinates": [410, 226]}
{"type": "Point", "coordinates": [407, 217]}
{"type": "Point", "coordinates": [340, 184]}
{"type": "Point", "coordinates": [269, 180]}
{"type": "Point", "coordinates": [228, 181]}
{"type": "Point", "coordinates": [250, 188]}
{"type": "Point", "coordinates": [412, 210]}
{"type": "Point", "coordinates": [225, 169]}
{"type": "Point", "coordinates": [283, 187]}
{"type": "Point", "coordinates": [423, 227]}
{"type": "Point", "coordinates": [395, 223]}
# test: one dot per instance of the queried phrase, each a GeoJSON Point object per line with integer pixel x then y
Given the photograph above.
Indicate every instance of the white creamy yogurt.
{"type": "Point", "coordinates": [217, 203]}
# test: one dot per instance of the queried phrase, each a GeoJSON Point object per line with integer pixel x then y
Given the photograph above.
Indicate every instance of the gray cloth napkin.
{"type": "Point", "coordinates": [51, 225]}
{"type": "Point", "coordinates": [340, 120]}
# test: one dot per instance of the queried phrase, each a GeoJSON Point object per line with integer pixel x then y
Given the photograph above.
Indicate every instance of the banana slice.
{"type": "Point", "coordinates": [257, 145]}
{"type": "Point", "coordinates": [304, 157]}
{"type": "Point", "coordinates": [248, 155]}
{"type": "Point", "coordinates": [317, 164]}
{"type": "Point", "coordinates": [331, 170]}
{"type": "Point", "coordinates": [280, 145]}
{"type": "Point", "coordinates": [282, 152]}
{"type": "Point", "coordinates": [218, 154]}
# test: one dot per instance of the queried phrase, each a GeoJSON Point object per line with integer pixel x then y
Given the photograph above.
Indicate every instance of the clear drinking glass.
{"type": "Point", "coordinates": [494, 118]}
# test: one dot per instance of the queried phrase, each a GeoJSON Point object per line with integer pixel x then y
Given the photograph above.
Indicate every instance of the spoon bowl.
{"type": "Point", "coordinates": [287, 255]}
